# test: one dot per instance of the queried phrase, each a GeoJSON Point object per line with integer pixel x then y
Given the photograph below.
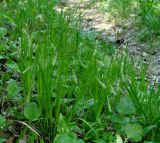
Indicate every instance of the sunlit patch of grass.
{"type": "Point", "coordinates": [145, 15]}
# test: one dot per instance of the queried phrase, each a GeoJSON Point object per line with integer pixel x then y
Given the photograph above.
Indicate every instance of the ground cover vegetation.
{"type": "Point", "coordinates": [59, 84]}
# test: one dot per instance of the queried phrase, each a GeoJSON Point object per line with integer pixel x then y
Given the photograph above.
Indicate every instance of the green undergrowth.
{"type": "Point", "coordinates": [58, 84]}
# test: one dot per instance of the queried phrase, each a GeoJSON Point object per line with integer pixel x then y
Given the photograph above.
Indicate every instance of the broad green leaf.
{"type": "Point", "coordinates": [116, 118]}
{"type": "Point", "coordinates": [134, 132]}
{"type": "Point", "coordinates": [62, 126]}
{"type": "Point", "coordinates": [84, 104]}
{"type": "Point", "coordinates": [14, 66]}
{"type": "Point", "coordinates": [3, 31]}
{"type": "Point", "coordinates": [2, 121]}
{"type": "Point", "coordinates": [32, 111]}
{"type": "Point", "coordinates": [67, 138]}
{"type": "Point", "coordinates": [12, 88]}
{"type": "Point", "coordinates": [118, 139]}
{"type": "Point", "coordinates": [2, 140]}
{"type": "Point", "coordinates": [125, 106]}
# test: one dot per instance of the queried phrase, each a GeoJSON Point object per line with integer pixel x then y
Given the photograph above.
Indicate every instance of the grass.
{"type": "Point", "coordinates": [59, 85]}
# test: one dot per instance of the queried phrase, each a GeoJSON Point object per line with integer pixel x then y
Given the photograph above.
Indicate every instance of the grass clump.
{"type": "Point", "coordinates": [68, 88]}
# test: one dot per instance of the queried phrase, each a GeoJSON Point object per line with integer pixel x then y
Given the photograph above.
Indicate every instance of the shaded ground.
{"type": "Point", "coordinates": [122, 34]}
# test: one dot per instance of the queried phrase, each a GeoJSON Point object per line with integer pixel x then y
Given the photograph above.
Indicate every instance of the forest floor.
{"type": "Point", "coordinates": [122, 34]}
{"type": "Point", "coordinates": [82, 88]}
